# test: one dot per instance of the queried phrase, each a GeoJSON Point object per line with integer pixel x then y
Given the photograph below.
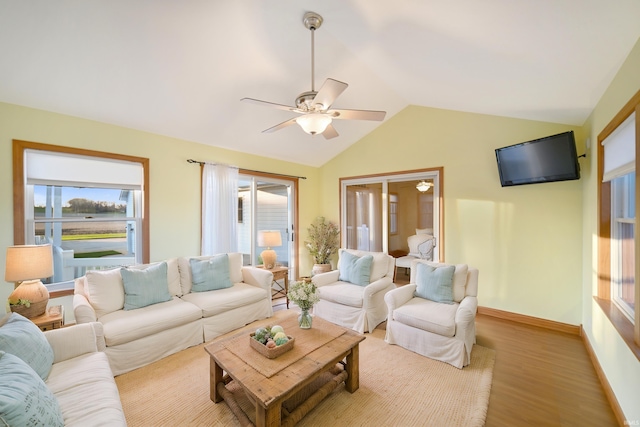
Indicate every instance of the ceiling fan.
{"type": "Point", "coordinates": [316, 114]}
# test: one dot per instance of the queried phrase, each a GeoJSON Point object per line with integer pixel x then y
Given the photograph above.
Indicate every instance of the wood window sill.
{"type": "Point", "coordinates": [620, 322]}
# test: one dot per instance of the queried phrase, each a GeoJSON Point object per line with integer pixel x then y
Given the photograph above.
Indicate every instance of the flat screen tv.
{"type": "Point", "coordinates": [548, 159]}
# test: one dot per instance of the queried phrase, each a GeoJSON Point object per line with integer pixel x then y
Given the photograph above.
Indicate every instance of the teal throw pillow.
{"type": "Point", "coordinates": [435, 284]}
{"type": "Point", "coordinates": [355, 269]}
{"type": "Point", "coordinates": [22, 338]}
{"type": "Point", "coordinates": [210, 274]}
{"type": "Point", "coordinates": [25, 400]}
{"type": "Point", "coordinates": [145, 287]}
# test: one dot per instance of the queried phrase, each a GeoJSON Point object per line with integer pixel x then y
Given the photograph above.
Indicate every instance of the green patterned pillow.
{"type": "Point", "coordinates": [25, 400]}
{"type": "Point", "coordinates": [355, 269]}
{"type": "Point", "coordinates": [22, 338]}
{"type": "Point", "coordinates": [435, 284]}
{"type": "Point", "coordinates": [145, 287]}
{"type": "Point", "coordinates": [210, 274]}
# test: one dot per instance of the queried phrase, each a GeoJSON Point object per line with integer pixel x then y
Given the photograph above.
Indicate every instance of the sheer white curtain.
{"type": "Point", "coordinates": [219, 209]}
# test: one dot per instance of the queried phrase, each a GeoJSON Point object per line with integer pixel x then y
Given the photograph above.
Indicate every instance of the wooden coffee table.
{"type": "Point", "coordinates": [268, 392]}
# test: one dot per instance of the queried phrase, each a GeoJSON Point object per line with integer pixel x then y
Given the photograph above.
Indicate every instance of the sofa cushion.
{"type": "Point", "coordinates": [145, 287]}
{"type": "Point", "coordinates": [222, 300]}
{"type": "Point", "coordinates": [105, 291]}
{"type": "Point", "coordinates": [210, 274]}
{"type": "Point", "coordinates": [343, 293]}
{"type": "Point", "coordinates": [124, 326]}
{"type": "Point", "coordinates": [428, 315]}
{"type": "Point", "coordinates": [86, 391]}
{"type": "Point", "coordinates": [173, 274]}
{"type": "Point", "coordinates": [235, 270]}
{"type": "Point", "coordinates": [22, 338]}
{"type": "Point", "coordinates": [435, 283]}
{"type": "Point", "coordinates": [25, 400]}
{"type": "Point", "coordinates": [355, 269]}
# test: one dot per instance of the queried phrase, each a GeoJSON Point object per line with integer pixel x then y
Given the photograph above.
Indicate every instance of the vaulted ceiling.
{"type": "Point", "coordinates": [180, 68]}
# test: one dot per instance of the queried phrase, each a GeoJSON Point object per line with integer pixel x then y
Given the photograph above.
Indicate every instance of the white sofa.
{"type": "Point", "coordinates": [137, 337]}
{"type": "Point", "coordinates": [354, 306]}
{"type": "Point", "coordinates": [81, 378]}
{"type": "Point", "coordinates": [59, 377]}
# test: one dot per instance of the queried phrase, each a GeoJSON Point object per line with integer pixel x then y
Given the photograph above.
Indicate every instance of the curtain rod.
{"type": "Point", "coordinates": [248, 170]}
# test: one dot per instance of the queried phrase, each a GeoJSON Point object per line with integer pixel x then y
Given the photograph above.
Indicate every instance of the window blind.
{"type": "Point", "coordinates": [51, 168]}
{"type": "Point", "coordinates": [620, 150]}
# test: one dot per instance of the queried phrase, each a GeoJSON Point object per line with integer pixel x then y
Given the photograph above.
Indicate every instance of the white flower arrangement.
{"type": "Point", "coordinates": [304, 294]}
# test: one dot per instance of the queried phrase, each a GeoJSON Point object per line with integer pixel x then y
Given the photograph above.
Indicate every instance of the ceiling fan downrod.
{"type": "Point", "coordinates": [312, 21]}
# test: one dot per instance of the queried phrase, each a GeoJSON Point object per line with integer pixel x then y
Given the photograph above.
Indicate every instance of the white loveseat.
{"type": "Point", "coordinates": [137, 337]}
{"type": "Point", "coordinates": [360, 307]}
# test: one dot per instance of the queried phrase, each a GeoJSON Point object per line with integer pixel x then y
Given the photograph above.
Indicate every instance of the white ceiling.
{"type": "Point", "coordinates": [179, 68]}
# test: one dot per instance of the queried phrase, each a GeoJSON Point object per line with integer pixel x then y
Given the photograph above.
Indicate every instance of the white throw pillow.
{"type": "Point", "coordinates": [105, 291]}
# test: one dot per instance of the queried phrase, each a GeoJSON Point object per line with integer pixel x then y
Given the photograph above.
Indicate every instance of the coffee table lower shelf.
{"type": "Point", "coordinates": [292, 409]}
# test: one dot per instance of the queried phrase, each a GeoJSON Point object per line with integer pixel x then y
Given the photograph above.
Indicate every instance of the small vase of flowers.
{"type": "Point", "coordinates": [304, 294]}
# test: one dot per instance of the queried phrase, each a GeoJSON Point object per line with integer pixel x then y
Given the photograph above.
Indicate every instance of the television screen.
{"type": "Point", "coordinates": [549, 159]}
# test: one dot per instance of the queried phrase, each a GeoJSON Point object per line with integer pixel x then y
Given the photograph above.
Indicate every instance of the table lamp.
{"type": "Point", "coordinates": [26, 265]}
{"type": "Point", "coordinates": [269, 238]}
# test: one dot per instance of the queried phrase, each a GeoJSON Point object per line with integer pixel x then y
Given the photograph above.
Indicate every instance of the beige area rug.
{"type": "Point", "coordinates": [397, 388]}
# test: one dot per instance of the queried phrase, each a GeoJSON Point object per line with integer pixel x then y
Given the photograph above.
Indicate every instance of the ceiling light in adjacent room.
{"type": "Point", "coordinates": [424, 186]}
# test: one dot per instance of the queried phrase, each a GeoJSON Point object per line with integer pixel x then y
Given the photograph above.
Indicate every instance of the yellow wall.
{"type": "Point", "coordinates": [619, 364]}
{"type": "Point", "coordinates": [525, 240]}
{"type": "Point", "coordinates": [174, 183]}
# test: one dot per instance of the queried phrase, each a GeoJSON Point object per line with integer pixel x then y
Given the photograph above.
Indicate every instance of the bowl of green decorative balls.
{"type": "Point", "coordinates": [271, 341]}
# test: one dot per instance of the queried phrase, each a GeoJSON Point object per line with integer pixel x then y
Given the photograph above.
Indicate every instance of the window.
{"type": "Point", "coordinates": [90, 206]}
{"type": "Point", "coordinates": [618, 294]}
{"type": "Point", "coordinates": [623, 243]}
{"type": "Point", "coordinates": [393, 213]}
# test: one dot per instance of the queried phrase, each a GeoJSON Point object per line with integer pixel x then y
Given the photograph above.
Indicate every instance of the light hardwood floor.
{"type": "Point", "coordinates": [541, 377]}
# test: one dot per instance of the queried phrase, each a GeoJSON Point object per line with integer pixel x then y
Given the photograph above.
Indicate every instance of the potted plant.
{"type": "Point", "coordinates": [323, 243]}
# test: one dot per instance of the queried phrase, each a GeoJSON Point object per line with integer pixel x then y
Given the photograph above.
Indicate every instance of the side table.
{"type": "Point", "coordinates": [279, 273]}
{"type": "Point", "coordinates": [53, 318]}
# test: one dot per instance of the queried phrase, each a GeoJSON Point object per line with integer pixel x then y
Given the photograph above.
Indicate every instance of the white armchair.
{"type": "Point", "coordinates": [420, 247]}
{"type": "Point", "coordinates": [437, 330]}
{"type": "Point", "coordinates": [359, 307]}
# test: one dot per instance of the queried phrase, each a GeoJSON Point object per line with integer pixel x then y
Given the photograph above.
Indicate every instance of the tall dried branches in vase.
{"type": "Point", "coordinates": [323, 241]}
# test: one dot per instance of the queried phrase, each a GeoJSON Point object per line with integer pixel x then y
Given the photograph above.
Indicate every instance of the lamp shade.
{"type": "Point", "coordinates": [269, 238]}
{"type": "Point", "coordinates": [28, 262]}
{"type": "Point", "coordinates": [314, 123]}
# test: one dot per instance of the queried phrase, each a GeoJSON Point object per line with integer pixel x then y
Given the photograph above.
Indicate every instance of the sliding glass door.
{"type": "Point", "coordinates": [379, 213]}
{"type": "Point", "coordinates": [266, 204]}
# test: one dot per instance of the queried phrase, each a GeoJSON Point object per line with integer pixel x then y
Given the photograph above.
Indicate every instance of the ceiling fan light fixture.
{"type": "Point", "coordinates": [424, 186]}
{"type": "Point", "coordinates": [314, 123]}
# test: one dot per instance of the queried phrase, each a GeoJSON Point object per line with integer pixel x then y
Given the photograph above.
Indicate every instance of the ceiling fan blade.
{"type": "Point", "coordinates": [271, 104]}
{"type": "Point", "coordinates": [328, 93]}
{"type": "Point", "coordinates": [377, 116]}
{"type": "Point", "coordinates": [280, 126]}
{"type": "Point", "coordinates": [330, 132]}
